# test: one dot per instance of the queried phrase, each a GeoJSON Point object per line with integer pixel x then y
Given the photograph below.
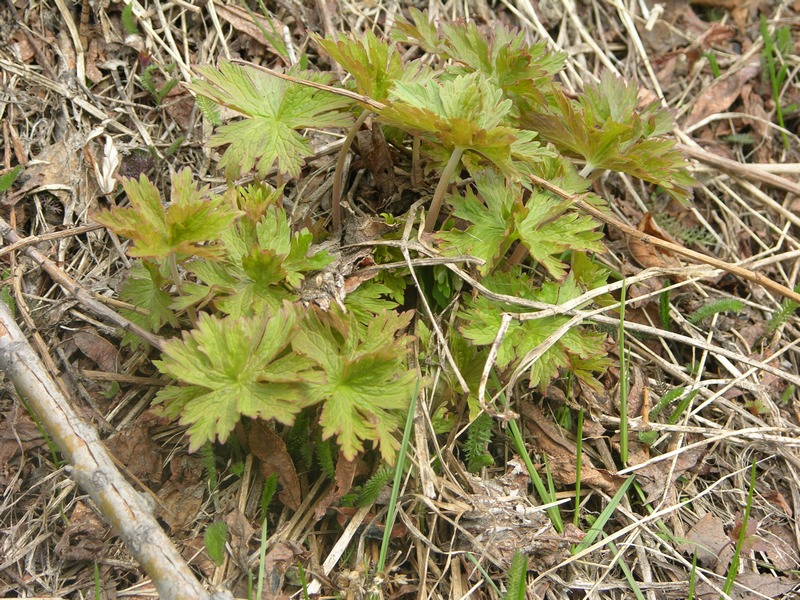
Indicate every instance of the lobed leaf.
{"type": "Point", "coordinates": [234, 367]}
{"type": "Point", "coordinates": [190, 226]}
{"type": "Point", "coordinates": [275, 109]}
{"type": "Point", "coordinates": [367, 386]}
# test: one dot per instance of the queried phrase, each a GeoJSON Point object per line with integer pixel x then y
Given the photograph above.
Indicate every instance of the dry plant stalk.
{"type": "Point", "coordinates": [125, 509]}
{"type": "Point", "coordinates": [738, 271]}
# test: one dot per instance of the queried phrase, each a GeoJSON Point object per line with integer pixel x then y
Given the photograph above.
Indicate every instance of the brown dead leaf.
{"type": "Point", "coordinates": [647, 255]}
{"type": "Point", "coordinates": [99, 349]}
{"type": "Point", "coordinates": [83, 538]}
{"type": "Point", "coordinates": [775, 497]}
{"type": "Point", "coordinates": [18, 433]}
{"type": "Point", "coordinates": [561, 451]}
{"type": "Point", "coordinates": [781, 546]}
{"type": "Point", "coordinates": [194, 553]}
{"type": "Point", "coordinates": [182, 496]}
{"type": "Point", "coordinates": [179, 105]}
{"type": "Point", "coordinates": [721, 95]}
{"type": "Point", "coordinates": [251, 24]}
{"type": "Point", "coordinates": [56, 169]}
{"type": "Point", "coordinates": [752, 541]}
{"type": "Point", "coordinates": [653, 477]}
{"type": "Point", "coordinates": [241, 532]}
{"type": "Point", "coordinates": [375, 152]}
{"type": "Point", "coordinates": [346, 471]}
{"type": "Point", "coordinates": [277, 561]}
{"type": "Point", "coordinates": [270, 449]}
{"type": "Point", "coordinates": [708, 538]}
{"type": "Point", "coordinates": [748, 582]}
{"type": "Point", "coordinates": [134, 447]}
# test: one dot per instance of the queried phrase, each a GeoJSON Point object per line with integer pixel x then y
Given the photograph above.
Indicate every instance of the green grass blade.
{"type": "Point", "coordinates": [391, 510]}
{"type": "Point", "coordinates": [733, 570]}
{"type": "Point", "coordinates": [597, 528]}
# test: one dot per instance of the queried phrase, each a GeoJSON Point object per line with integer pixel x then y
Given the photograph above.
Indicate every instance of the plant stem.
{"type": "Point", "coordinates": [578, 465]}
{"type": "Point", "coordinates": [623, 382]}
{"type": "Point", "coordinates": [444, 182]}
{"type": "Point", "coordinates": [338, 173]}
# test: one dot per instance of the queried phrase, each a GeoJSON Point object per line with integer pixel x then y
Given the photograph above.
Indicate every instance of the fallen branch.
{"type": "Point", "coordinates": [127, 511]}
{"type": "Point", "coordinates": [75, 290]}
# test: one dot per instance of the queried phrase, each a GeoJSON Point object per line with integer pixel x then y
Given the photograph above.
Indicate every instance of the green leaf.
{"type": "Point", "coordinates": [275, 109]}
{"type": "Point", "coordinates": [548, 231]}
{"type": "Point", "coordinates": [214, 539]}
{"type": "Point", "coordinates": [520, 70]}
{"type": "Point", "coordinates": [491, 214]}
{"type": "Point", "coordinates": [367, 387]}
{"type": "Point", "coordinates": [465, 112]}
{"type": "Point", "coordinates": [579, 350]}
{"type": "Point", "coordinates": [422, 32]}
{"type": "Point", "coordinates": [234, 367]}
{"type": "Point", "coordinates": [190, 226]}
{"type": "Point", "coordinates": [605, 128]}
{"type": "Point", "coordinates": [498, 218]}
{"type": "Point", "coordinates": [263, 265]}
{"type": "Point", "coordinates": [8, 178]}
{"type": "Point", "coordinates": [373, 63]}
{"type": "Point", "coordinates": [145, 289]}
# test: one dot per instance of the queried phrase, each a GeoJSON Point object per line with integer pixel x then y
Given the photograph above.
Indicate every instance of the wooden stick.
{"type": "Point", "coordinates": [741, 272]}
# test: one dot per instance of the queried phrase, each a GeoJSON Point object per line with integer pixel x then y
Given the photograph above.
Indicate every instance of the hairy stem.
{"type": "Point", "coordinates": [338, 173]}
{"type": "Point", "coordinates": [444, 182]}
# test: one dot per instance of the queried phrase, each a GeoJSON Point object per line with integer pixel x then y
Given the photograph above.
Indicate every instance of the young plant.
{"type": "Point", "coordinates": [229, 272]}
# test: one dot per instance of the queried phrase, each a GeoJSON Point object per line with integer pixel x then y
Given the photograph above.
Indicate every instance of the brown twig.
{"type": "Point", "coordinates": [73, 289]}
{"type": "Point", "coordinates": [741, 272]}
{"type": "Point", "coordinates": [93, 469]}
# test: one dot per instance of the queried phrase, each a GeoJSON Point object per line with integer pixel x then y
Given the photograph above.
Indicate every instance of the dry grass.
{"type": "Point", "coordinates": [694, 478]}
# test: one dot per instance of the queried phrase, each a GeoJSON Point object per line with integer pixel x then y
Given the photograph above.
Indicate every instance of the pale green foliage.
{"type": "Point", "coordinates": [466, 112]}
{"type": "Point", "coordinates": [604, 127]}
{"type": "Point", "coordinates": [229, 270]}
{"type": "Point", "coordinates": [275, 109]}
{"type": "Point", "coordinates": [144, 288]}
{"type": "Point", "coordinates": [499, 216]}
{"type": "Point", "coordinates": [190, 226]}
{"type": "Point", "coordinates": [373, 63]}
{"type": "Point", "coordinates": [263, 265]}
{"type": "Point", "coordinates": [365, 391]}
{"type": "Point", "coordinates": [579, 351]}
{"type": "Point", "coordinates": [235, 367]}
{"type": "Point", "coordinates": [520, 70]}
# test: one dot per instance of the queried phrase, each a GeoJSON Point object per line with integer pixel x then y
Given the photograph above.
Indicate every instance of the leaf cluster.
{"type": "Point", "coordinates": [487, 114]}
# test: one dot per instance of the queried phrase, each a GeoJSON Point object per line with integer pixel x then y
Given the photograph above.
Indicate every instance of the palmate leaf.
{"type": "Point", "coordinates": [498, 217]}
{"type": "Point", "coordinates": [190, 226]}
{"type": "Point", "coordinates": [465, 112]}
{"type": "Point", "coordinates": [276, 109]}
{"type": "Point", "coordinates": [234, 367]}
{"type": "Point", "coordinates": [491, 216]}
{"type": "Point", "coordinates": [366, 387]}
{"type": "Point", "coordinates": [547, 231]}
{"type": "Point", "coordinates": [519, 69]}
{"type": "Point", "coordinates": [604, 127]}
{"type": "Point", "coordinates": [578, 351]}
{"type": "Point", "coordinates": [373, 63]}
{"type": "Point", "coordinates": [144, 288]}
{"type": "Point", "coordinates": [263, 265]}
{"type": "Point", "coordinates": [503, 56]}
